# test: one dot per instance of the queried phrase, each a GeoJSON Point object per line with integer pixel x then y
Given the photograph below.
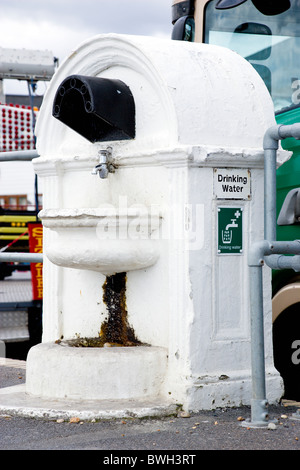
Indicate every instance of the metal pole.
{"type": "Point", "coordinates": [270, 194]}
{"type": "Point", "coordinates": [259, 413]}
{"type": "Point", "coordinates": [22, 257]}
{"type": "Point", "coordinates": [24, 155]}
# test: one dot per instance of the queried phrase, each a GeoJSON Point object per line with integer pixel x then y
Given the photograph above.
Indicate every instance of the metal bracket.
{"type": "Point", "coordinates": [259, 415]}
{"type": "Point", "coordinates": [290, 210]}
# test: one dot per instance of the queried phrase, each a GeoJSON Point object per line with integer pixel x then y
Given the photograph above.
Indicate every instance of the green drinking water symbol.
{"type": "Point", "coordinates": [230, 230]}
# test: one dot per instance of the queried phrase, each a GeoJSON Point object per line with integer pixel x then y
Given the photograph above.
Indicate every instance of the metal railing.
{"type": "Point", "coordinates": [272, 253]}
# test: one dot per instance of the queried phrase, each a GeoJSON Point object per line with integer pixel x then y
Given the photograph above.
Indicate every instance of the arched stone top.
{"type": "Point", "coordinates": [185, 94]}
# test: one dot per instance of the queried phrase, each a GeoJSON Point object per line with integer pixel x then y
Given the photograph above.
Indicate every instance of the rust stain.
{"type": "Point", "coordinates": [116, 330]}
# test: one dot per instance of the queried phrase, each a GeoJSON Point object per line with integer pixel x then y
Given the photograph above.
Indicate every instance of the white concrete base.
{"type": "Point", "coordinates": [14, 401]}
{"type": "Point", "coordinates": [220, 391]}
{"type": "Point", "coordinates": [60, 371]}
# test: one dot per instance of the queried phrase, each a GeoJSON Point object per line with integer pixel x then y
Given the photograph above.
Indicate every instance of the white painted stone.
{"type": "Point", "coordinates": [95, 373]}
{"type": "Point", "coordinates": [198, 107]}
{"type": "Point", "coordinates": [83, 240]}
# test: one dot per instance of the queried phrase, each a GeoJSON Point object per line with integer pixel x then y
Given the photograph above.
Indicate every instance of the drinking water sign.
{"type": "Point", "coordinates": [230, 230]}
{"type": "Point", "coordinates": [232, 183]}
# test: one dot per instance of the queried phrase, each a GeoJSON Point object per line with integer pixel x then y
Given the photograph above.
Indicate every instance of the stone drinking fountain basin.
{"type": "Point", "coordinates": [104, 240]}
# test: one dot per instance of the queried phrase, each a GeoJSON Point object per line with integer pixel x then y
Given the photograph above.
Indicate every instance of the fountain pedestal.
{"type": "Point", "coordinates": [200, 115]}
{"type": "Point", "coordinates": [109, 373]}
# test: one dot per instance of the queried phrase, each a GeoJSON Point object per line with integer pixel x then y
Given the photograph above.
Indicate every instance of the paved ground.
{"type": "Point", "coordinates": [208, 430]}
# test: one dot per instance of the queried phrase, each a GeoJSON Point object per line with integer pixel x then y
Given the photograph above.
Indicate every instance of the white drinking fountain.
{"type": "Point", "coordinates": [152, 165]}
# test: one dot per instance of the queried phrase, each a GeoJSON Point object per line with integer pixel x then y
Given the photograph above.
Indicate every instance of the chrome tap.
{"type": "Point", "coordinates": [105, 164]}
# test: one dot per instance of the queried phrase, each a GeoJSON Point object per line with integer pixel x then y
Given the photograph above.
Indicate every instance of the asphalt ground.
{"type": "Point", "coordinates": [171, 440]}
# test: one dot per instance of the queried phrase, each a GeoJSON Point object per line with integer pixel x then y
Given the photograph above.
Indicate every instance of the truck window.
{"type": "Point", "coordinates": [271, 43]}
